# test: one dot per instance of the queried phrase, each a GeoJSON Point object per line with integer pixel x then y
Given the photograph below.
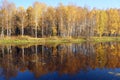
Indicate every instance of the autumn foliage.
{"type": "Point", "coordinates": [41, 20]}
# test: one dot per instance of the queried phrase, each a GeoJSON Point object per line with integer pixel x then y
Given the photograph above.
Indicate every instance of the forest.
{"type": "Point", "coordinates": [59, 41]}
{"type": "Point", "coordinates": [41, 20]}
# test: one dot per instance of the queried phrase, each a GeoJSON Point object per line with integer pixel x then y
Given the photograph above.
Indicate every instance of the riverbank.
{"type": "Point", "coordinates": [31, 40]}
{"type": "Point", "coordinates": [105, 39]}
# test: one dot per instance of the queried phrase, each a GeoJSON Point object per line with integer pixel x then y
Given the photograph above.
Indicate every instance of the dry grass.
{"type": "Point", "coordinates": [31, 40]}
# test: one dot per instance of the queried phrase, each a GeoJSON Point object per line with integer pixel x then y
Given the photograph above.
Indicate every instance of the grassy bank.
{"type": "Point", "coordinates": [105, 39]}
{"type": "Point", "coordinates": [27, 40]}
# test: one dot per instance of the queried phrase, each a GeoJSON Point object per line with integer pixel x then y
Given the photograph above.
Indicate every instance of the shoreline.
{"type": "Point", "coordinates": [31, 40]}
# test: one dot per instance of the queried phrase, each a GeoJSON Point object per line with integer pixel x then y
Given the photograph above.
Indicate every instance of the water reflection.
{"type": "Point", "coordinates": [70, 59]}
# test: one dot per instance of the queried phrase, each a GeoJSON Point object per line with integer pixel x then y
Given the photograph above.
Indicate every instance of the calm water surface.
{"type": "Point", "coordinates": [84, 61]}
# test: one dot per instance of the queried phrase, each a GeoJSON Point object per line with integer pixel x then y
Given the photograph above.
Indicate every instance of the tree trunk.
{"type": "Point", "coordinates": [10, 29]}
{"type": "Point", "coordinates": [42, 27]}
{"type": "Point", "coordinates": [61, 27]}
{"type": "Point", "coordinates": [36, 31]}
{"type": "Point", "coordinates": [42, 30]}
{"type": "Point", "coordinates": [2, 32]}
{"type": "Point", "coordinates": [7, 31]}
{"type": "Point", "coordinates": [10, 32]}
{"type": "Point", "coordinates": [100, 35]}
{"type": "Point", "coordinates": [22, 29]}
{"type": "Point", "coordinates": [68, 32]}
{"type": "Point", "coordinates": [7, 26]}
{"type": "Point", "coordinates": [32, 32]}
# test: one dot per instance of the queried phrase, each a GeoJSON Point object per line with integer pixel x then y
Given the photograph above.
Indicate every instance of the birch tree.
{"type": "Point", "coordinates": [22, 19]}
{"type": "Point", "coordinates": [38, 11]}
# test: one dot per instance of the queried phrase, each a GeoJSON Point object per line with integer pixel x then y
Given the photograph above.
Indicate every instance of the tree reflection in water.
{"type": "Point", "coordinates": [64, 58]}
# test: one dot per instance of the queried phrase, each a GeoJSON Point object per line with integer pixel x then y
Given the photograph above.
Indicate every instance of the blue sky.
{"type": "Point", "coordinates": [100, 4]}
